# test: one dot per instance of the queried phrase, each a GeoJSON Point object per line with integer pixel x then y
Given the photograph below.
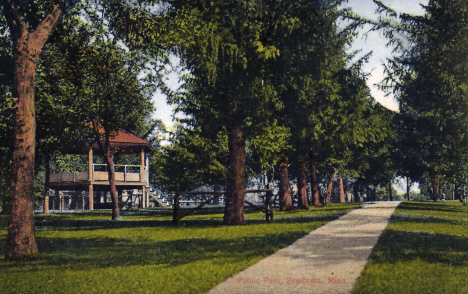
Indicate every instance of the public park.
{"type": "Point", "coordinates": [234, 146]}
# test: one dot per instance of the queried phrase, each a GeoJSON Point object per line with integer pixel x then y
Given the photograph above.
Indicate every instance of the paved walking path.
{"type": "Point", "coordinates": [327, 260]}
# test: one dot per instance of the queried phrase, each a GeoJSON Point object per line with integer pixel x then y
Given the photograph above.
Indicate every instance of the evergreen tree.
{"type": "Point", "coordinates": [429, 78]}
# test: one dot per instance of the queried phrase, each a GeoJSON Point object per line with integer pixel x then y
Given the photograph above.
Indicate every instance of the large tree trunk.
{"type": "Point", "coordinates": [342, 194]}
{"type": "Point", "coordinates": [327, 197]}
{"type": "Point", "coordinates": [435, 189]}
{"type": "Point", "coordinates": [21, 240]}
{"type": "Point", "coordinates": [314, 181]}
{"type": "Point", "coordinates": [390, 192]}
{"type": "Point", "coordinates": [284, 191]}
{"type": "Point", "coordinates": [27, 45]}
{"type": "Point", "coordinates": [302, 186]}
{"type": "Point", "coordinates": [109, 155]}
{"type": "Point", "coordinates": [235, 194]}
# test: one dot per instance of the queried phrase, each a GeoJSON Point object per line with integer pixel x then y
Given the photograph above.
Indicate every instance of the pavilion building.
{"type": "Point", "coordinates": [95, 180]}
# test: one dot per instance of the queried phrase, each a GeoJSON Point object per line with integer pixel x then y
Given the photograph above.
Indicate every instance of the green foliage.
{"type": "Point", "coordinates": [423, 250]}
{"type": "Point", "coordinates": [80, 251]}
{"type": "Point", "coordinates": [189, 161]}
{"type": "Point", "coordinates": [78, 91]}
{"type": "Point", "coordinates": [429, 80]}
{"type": "Point", "coordinates": [264, 147]}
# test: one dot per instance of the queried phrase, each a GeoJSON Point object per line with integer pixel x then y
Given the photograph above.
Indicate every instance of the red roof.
{"type": "Point", "coordinates": [122, 138]}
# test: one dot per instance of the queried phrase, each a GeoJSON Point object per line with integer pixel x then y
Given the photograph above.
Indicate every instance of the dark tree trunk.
{"type": "Point", "coordinates": [390, 192]}
{"type": "Point", "coordinates": [235, 194]}
{"type": "Point", "coordinates": [327, 197]}
{"type": "Point", "coordinates": [302, 186]}
{"type": "Point", "coordinates": [314, 181]}
{"type": "Point", "coordinates": [27, 45]}
{"type": "Point", "coordinates": [342, 194]}
{"type": "Point", "coordinates": [109, 155]}
{"type": "Point", "coordinates": [435, 189]}
{"type": "Point", "coordinates": [408, 188]}
{"type": "Point", "coordinates": [284, 191]}
{"type": "Point", "coordinates": [356, 192]}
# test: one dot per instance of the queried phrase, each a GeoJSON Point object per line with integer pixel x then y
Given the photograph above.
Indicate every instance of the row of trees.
{"type": "Point", "coordinates": [268, 83]}
{"type": "Point", "coordinates": [429, 78]}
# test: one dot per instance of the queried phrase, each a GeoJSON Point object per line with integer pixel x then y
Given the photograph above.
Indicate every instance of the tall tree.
{"type": "Point", "coordinates": [429, 77]}
{"type": "Point", "coordinates": [30, 25]}
{"type": "Point", "coordinates": [102, 99]}
{"type": "Point", "coordinates": [227, 87]}
{"type": "Point", "coordinates": [320, 94]}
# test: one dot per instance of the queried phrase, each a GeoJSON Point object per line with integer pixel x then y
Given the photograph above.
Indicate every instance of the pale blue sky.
{"type": "Point", "coordinates": [374, 42]}
{"type": "Point", "coordinates": [377, 43]}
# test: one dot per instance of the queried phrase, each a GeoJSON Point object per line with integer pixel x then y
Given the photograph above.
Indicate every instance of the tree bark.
{"type": "Point", "coordinates": [302, 186]}
{"type": "Point", "coordinates": [342, 194]}
{"type": "Point", "coordinates": [235, 192]}
{"type": "Point", "coordinates": [435, 189]}
{"type": "Point", "coordinates": [314, 181]}
{"type": "Point", "coordinates": [327, 197]}
{"type": "Point", "coordinates": [284, 191]}
{"type": "Point", "coordinates": [27, 45]}
{"type": "Point", "coordinates": [390, 192]}
{"type": "Point", "coordinates": [109, 155]}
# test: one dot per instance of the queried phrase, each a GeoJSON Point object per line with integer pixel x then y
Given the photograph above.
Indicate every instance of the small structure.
{"type": "Point", "coordinates": [95, 179]}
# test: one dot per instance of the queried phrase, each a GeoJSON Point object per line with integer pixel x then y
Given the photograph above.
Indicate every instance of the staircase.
{"type": "Point", "coordinates": [156, 200]}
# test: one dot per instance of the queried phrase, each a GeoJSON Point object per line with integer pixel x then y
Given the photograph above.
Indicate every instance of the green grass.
{"type": "Point", "coordinates": [424, 249]}
{"type": "Point", "coordinates": [84, 252]}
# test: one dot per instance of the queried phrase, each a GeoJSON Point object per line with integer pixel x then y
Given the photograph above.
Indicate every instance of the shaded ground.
{"type": "Point", "coordinates": [86, 253]}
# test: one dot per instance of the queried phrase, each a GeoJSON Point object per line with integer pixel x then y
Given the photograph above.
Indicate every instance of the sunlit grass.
{"type": "Point", "coordinates": [423, 250]}
{"type": "Point", "coordinates": [85, 252]}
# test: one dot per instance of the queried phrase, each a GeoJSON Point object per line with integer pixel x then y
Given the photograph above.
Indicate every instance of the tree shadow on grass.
{"type": "Point", "coordinates": [394, 246]}
{"type": "Point", "coordinates": [165, 212]}
{"type": "Point", "coordinates": [428, 219]}
{"type": "Point", "coordinates": [89, 225]}
{"type": "Point", "coordinates": [430, 206]}
{"type": "Point", "coordinates": [83, 254]}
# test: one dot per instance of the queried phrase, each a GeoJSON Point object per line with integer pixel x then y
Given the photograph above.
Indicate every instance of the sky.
{"type": "Point", "coordinates": [373, 42]}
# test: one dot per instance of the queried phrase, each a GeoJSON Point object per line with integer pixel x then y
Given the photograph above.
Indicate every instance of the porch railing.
{"type": "Point", "coordinates": [123, 173]}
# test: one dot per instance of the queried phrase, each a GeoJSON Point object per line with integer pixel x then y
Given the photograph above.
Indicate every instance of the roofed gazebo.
{"type": "Point", "coordinates": [96, 178]}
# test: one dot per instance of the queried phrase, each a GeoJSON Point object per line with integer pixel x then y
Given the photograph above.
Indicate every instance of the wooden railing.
{"type": "Point", "coordinates": [101, 174]}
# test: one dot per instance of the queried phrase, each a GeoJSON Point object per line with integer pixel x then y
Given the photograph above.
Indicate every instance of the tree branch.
{"type": "Point", "coordinates": [45, 27]}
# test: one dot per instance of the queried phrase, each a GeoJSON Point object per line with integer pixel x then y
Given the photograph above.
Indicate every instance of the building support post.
{"type": "Point", "coordinates": [62, 204]}
{"type": "Point", "coordinates": [91, 198]}
{"type": "Point", "coordinates": [143, 197]}
{"type": "Point", "coordinates": [90, 165]}
{"type": "Point", "coordinates": [46, 188]}
{"type": "Point", "coordinates": [142, 166]}
{"type": "Point", "coordinates": [147, 171]}
{"type": "Point", "coordinates": [90, 179]}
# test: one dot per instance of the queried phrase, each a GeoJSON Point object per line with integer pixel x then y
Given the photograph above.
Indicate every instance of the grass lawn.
{"type": "Point", "coordinates": [424, 249]}
{"type": "Point", "coordinates": [85, 252]}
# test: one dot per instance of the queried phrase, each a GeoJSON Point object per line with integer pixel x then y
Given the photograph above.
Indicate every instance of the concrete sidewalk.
{"type": "Point", "coordinates": [327, 260]}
